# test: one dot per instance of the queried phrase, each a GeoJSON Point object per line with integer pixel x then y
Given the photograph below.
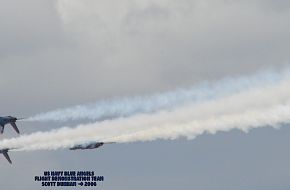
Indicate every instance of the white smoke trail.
{"type": "Point", "coordinates": [124, 107]}
{"type": "Point", "coordinates": [261, 106]}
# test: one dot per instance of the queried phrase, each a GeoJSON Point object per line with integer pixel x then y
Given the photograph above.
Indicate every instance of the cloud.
{"type": "Point", "coordinates": [178, 36]}
{"type": "Point", "coordinates": [100, 49]}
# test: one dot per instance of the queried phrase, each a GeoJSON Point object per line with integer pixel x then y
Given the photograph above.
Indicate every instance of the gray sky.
{"type": "Point", "coordinates": [65, 52]}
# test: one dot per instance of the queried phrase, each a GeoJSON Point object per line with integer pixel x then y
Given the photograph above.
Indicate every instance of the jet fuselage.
{"type": "Point", "coordinates": [8, 120]}
{"type": "Point", "coordinates": [87, 146]}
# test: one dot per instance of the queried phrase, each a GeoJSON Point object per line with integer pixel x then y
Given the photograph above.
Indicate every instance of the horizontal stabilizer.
{"type": "Point", "coordinates": [5, 154]}
{"type": "Point", "coordinates": [15, 127]}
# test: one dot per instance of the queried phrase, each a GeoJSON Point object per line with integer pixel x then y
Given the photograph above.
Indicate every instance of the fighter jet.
{"type": "Point", "coordinates": [5, 154]}
{"type": "Point", "coordinates": [9, 120]}
{"type": "Point", "coordinates": [91, 145]}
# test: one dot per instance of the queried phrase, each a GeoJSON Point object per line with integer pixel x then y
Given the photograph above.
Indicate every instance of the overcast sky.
{"type": "Point", "coordinates": [59, 53]}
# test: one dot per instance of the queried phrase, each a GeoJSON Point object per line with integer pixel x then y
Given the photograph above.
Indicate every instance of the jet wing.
{"type": "Point", "coordinates": [15, 127]}
{"type": "Point", "coordinates": [5, 154]}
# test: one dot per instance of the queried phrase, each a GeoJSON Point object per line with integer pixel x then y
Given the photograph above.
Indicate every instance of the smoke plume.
{"type": "Point", "coordinates": [243, 107]}
{"type": "Point", "coordinates": [124, 107]}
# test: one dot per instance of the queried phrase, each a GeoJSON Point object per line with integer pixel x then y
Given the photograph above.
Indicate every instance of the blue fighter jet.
{"type": "Point", "coordinates": [90, 145]}
{"type": "Point", "coordinates": [9, 120]}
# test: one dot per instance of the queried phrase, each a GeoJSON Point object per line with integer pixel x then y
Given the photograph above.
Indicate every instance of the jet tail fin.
{"type": "Point", "coordinates": [5, 154]}
{"type": "Point", "coordinates": [13, 124]}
